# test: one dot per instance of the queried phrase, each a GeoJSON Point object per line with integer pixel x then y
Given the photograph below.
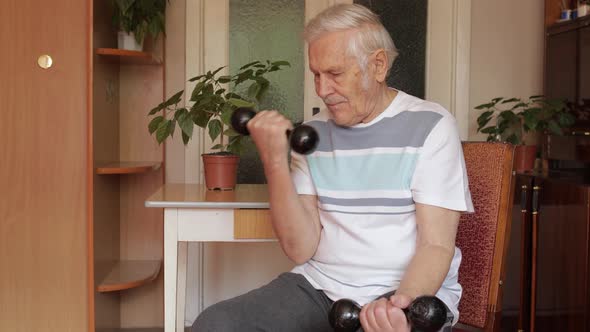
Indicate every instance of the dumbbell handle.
{"type": "Point", "coordinates": [303, 139]}
{"type": "Point", "coordinates": [425, 314]}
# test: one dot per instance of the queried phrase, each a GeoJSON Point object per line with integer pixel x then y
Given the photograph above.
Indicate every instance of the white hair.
{"type": "Point", "coordinates": [371, 35]}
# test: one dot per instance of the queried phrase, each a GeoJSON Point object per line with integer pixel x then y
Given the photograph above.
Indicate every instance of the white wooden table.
{"type": "Point", "coordinates": [194, 214]}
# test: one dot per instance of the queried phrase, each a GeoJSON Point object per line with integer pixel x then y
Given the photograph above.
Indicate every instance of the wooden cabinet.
{"type": "Point", "coordinates": [567, 67]}
{"type": "Point", "coordinates": [562, 255]}
{"type": "Point", "coordinates": [78, 249]}
{"type": "Point", "coordinates": [552, 279]}
{"type": "Point", "coordinates": [561, 63]}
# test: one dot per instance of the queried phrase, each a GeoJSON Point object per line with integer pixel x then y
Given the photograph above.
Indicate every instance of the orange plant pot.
{"type": "Point", "coordinates": [220, 171]}
{"type": "Point", "coordinates": [524, 157]}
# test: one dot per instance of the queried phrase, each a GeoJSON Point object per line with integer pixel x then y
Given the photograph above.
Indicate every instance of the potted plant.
{"type": "Point", "coordinates": [514, 118]}
{"type": "Point", "coordinates": [214, 99]}
{"type": "Point", "coordinates": [137, 18]}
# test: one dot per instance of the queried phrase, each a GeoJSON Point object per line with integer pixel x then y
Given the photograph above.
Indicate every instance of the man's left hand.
{"type": "Point", "coordinates": [386, 315]}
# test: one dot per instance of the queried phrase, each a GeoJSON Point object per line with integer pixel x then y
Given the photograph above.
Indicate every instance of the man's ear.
{"type": "Point", "coordinates": [379, 65]}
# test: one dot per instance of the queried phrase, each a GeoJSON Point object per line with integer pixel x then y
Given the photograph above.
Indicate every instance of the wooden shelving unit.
{"type": "Point", "coordinates": [128, 167]}
{"type": "Point", "coordinates": [130, 274]}
{"type": "Point", "coordinates": [128, 57]}
{"type": "Point", "coordinates": [127, 237]}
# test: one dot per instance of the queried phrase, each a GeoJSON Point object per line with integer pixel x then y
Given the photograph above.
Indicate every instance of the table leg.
{"type": "Point", "coordinates": [181, 290]}
{"type": "Point", "coordinates": [170, 268]}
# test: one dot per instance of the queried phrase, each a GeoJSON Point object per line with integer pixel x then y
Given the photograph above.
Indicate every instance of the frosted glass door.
{"type": "Point", "coordinates": [269, 30]}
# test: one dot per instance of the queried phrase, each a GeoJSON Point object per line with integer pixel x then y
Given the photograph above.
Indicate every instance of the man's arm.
{"type": "Point", "coordinates": [435, 248]}
{"type": "Point", "coordinates": [294, 217]}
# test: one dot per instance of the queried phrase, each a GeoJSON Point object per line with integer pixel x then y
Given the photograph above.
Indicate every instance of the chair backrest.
{"type": "Point", "coordinates": [483, 236]}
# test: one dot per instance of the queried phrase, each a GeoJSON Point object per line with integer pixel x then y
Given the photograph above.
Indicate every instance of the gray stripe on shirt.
{"type": "Point", "coordinates": [406, 129]}
{"type": "Point", "coordinates": [366, 201]}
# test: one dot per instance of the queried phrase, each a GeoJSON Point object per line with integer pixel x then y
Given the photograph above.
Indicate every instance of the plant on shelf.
{"type": "Point", "coordinates": [214, 98]}
{"type": "Point", "coordinates": [515, 117]}
{"type": "Point", "coordinates": [136, 19]}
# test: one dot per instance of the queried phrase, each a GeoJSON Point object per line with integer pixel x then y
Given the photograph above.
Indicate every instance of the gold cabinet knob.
{"type": "Point", "coordinates": [45, 61]}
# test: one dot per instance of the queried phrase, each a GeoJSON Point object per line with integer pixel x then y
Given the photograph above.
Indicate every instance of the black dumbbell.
{"type": "Point", "coordinates": [425, 314]}
{"type": "Point", "coordinates": [303, 139]}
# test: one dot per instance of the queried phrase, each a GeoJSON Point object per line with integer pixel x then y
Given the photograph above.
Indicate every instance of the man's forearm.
{"type": "Point", "coordinates": [296, 226]}
{"type": "Point", "coordinates": [427, 270]}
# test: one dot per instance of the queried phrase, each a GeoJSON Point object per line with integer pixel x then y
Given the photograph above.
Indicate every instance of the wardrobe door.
{"type": "Point", "coordinates": [43, 187]}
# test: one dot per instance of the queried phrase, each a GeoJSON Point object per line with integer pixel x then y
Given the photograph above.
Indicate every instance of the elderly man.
{"type": "Point", "coordinates": [373, 210]}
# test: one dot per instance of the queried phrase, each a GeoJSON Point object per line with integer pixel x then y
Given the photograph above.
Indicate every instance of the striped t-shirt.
{"type": "Point", "coordinates": [367, 179]}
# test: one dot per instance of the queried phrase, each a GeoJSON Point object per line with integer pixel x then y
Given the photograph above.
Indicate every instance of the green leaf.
{"type": "Point", "coordinates": [253, 89]}
{"type": "Point", "coordinates": [482, 106]}
{"type": "Point", "coordinates": [196, 78]}
{"type": "Point", "coordinates": [226, 112]}
{"type": "Point", "coordinates": [201, 118]}
{"type": "Point", "coordinates": [496, 100]}
{"type": "Point", "coordinates": [214, 129]}
{"type": "Point", "coordinates": [264, 84]}
{"type": "Point", "coordinates": [243, 76]}
{"type": "Point", "coordinates": [554, 128]}
{"type": "Point", "coordinates": [530, 121]}
{"type": "Point", "coordinates": [163, 131]}
{"type": "Point", "coordinates": [180, 113]}
{"type": "Point", "coordinates": [240, 103]}
{"type": "Point", "coordinates": [217, 147]}
{"type": "Point", "coordinates": [511, 100]}
{"type": "Point", "coordinates": [513, 139]}
{"type": "Point", "coordinates": [521, 104]}
{"type": "Point", "coordinates": [185, 138]}
{"type": "Point", "coordinates": [281, 63]}
{"type": "Point", "coordinates": [155, 123]}
{"type": "Point", "coordinates": [566, 119]}
{"type": "Point", "coordinates": [175, 99]}
{"type": "Point", "coordinates": [230, 132]}
{"type": "Point", "coordinates": [171, 127]}
{"type": "Point", "coordinates": [235, 144]}
{"type": "Point", "coordinates": [197, 90]}
{"type": "Point", "coordinates": [186, 124]}
{"type": "Point", "coordinates": [224, 79]}
{"type": "Point", "coordinates": [483, 119]}
{"type": "Point", "coordinates": [217, 70]}
{"type": "Point", "coordinates": [509, 116]}
{"type": "Point", "coordinates": [489, 130]}
{"type": "Point", "coordinates": [249, 64]}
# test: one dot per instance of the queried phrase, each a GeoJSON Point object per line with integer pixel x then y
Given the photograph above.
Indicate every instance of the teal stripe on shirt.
{"type": "Point", "coordinates": [389, 171]}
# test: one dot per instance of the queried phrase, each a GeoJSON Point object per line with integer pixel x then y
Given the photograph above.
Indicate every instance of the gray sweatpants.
{"type": "Point", "coordinates": [287, 304]}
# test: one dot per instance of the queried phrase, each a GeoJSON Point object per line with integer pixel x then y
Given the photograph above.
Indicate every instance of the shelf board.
{"type": "Point", "coordinates": [128, 167]}
{"type": "Point", "coordinates": [130, 274]}
{"type": "Point", "coordinates": [128, 56]}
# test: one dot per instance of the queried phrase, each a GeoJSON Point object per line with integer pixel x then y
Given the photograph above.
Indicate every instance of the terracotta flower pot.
{"type": "Point", "coordinates": [220, 171]}
{"type": "Point", "coordinates": [524, 157]}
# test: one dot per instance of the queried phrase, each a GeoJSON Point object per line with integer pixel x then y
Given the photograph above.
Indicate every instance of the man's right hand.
{"type": "Point", "coordinates": [268, 131]}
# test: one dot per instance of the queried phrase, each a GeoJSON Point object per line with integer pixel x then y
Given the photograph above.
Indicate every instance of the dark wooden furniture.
{"type": "Point", "coordinates": [551, 271]}
{"type": "Point", "coordinates": [567, 67]}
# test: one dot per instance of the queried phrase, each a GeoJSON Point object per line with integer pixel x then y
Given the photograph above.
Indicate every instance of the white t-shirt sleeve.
{"type": "Point", "coordinates": [440, 177]}
{"type": "Point", "coordinates": [301, 176]}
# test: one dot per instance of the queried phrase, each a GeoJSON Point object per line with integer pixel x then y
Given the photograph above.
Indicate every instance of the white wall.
{"type": "Point", "coordinates": [506, 52]}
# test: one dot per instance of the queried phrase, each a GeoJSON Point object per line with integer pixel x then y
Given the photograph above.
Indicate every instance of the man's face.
{"type": "Point", "coordinates": [339, 80]}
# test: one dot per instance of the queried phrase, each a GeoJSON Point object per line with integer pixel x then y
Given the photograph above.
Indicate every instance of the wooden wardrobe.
{"type": "Point", "coordinates": [78, 249]}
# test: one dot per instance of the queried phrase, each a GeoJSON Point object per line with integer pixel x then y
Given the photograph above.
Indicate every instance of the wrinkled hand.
{"type": "Point", "coordinates": [386, 315]}
{"type": "Point", "coordinates": [268, 131]}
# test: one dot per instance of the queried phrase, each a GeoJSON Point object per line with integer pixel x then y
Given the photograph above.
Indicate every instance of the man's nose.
{"type": "Point", "coordinates": [323, 87]}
